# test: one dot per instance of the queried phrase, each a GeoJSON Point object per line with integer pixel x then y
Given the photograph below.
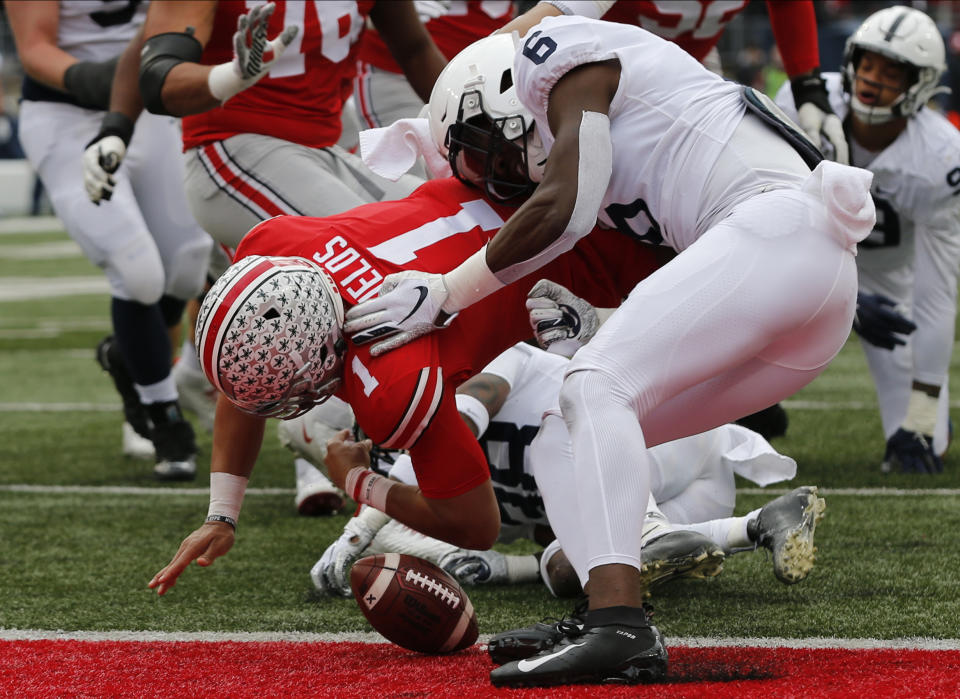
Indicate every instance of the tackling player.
{"type": "Point", "coordinates": [909, 264]}
{"type": "Point", "coordinates": [615, 123]}
{"type": "Point", "coordinates": [269, 338]}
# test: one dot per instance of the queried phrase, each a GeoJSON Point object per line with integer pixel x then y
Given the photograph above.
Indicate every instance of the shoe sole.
{"type": "Point", "coordinates": [698, 565]}
{"type": "Point", "coordinates": [320, 504]}
{"type": "Point", "coordinates": [794, 560]}
{"type": "Point", "coordinates": [175, 473]}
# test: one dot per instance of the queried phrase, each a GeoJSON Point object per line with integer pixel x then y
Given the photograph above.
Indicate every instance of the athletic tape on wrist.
{"type": "Point", "coordinates": [470, 282]}
{"type": "Point", "coordinates": [921, 413]}
{"type": "Point", "coordinates": [472, 408]}
{"type": "Point", "coordinates": [368, 488]}
{"type": "Point", "coordinates": [594, 9]}
{"type": "Point", "coordinates": [226, 495]}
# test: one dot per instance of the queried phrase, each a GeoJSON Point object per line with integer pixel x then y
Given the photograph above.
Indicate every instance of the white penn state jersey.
{"type": "Point", "coordinates": [916, 189]}
{"type": "Point", "coordinates": [97, 30]}
{"type": "Point", "coordinates": [669, 122]}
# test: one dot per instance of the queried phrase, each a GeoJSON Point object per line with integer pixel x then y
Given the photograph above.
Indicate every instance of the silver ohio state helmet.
{"type": "Point", "coordinates": [904, 35]}
{"type": "Point", "coordinates": [479, 124]}
{"type": "Point", "coordinates": [269, 335]}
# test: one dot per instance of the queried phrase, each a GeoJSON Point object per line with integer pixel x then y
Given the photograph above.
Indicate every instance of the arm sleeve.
{"type": "Point", "coordinates": [509, 364]}
{"type": "Point", "coordinates": [795, 30]}
{"type": "Point", "coordinates": [935, 292]}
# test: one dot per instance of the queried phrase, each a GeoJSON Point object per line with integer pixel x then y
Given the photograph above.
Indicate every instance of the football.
{"type": "Point", "coordinates": [414, 603]}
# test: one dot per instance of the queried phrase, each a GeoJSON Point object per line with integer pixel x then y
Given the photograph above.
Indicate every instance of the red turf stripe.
{"type": "Point", "coordinates": [235, 669]}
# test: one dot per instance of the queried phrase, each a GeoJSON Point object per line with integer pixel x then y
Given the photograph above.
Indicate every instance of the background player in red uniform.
{"type": "Point", "coordinates": [269, 338]}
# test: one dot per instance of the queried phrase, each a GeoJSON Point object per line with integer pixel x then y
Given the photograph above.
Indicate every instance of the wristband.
{"type": "Point", "coordinates": [921, 413]}
{"type": "Point", "coordinates": [226, 495]}
{"type": "Point", "coordinates": [470, 282]}
{"type": "Point", "coordinates": [471, 407]}
{"type": "Point", "coordinates": [222, 518]}
{"type": "Point", "coordinates": [594, 9]}
{"type": "Point", "coordinates": [368, 488]}
{"type": "Point", "coordinates": [114, 124]}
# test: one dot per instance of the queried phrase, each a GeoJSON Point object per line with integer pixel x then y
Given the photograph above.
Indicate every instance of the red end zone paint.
{"type": "Point", "coordinates": [244, 669]}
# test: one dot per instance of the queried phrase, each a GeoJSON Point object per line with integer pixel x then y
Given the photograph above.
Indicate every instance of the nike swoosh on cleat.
{"type": "Point", "coordinates": [527, 665]}
{"type": "Point", "coordinates": [423, 296]}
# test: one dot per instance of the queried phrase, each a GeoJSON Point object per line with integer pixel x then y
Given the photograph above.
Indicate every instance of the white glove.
{"type": "Point", "coordinates": [817, 119]}
{"type": "Point", "coordinates": [431, 9]}
{"type": "Point", "coordinates": [331, 574]}
{"type": "Point", "coordinates": [409, 306]}
{"type": "Point", "coordinates": [562, 322]}
{"type": "Point", "coordinates": [249, 47]}
{"type": "Point", "coordinates": [476, 567]}
{"type": "Point", "coordinates": [100, 160]}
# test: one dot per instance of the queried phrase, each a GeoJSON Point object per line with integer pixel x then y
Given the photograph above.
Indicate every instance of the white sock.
{"type": "Point", "coordinates": [163, 391]}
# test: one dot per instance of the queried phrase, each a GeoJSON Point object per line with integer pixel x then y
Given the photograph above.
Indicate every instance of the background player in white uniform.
{"type": "Point", "coordinates": [891, 68]}
{"type": "Point", "coordinates": [154, 254]}
{"type": "Point", "coordinates": [759, 299]}
{"type": "Point", "coordinates": [693, 495]}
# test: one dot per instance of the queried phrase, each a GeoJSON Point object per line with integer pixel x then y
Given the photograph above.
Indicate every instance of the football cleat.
{"type": "Point", "coordinates": [680, 554]}
{"type": "Point", "coordinates": [476, 567]}
{"type": "Point", "coordinates": [306, 435]}
{"type": "Point", "coordinates": [175, 444]}
{"type": "Point", "coordinates": [196, 393]}
{"type": "Point", "coordinates": [608, 654]}
{"type": "Point", "coordinates": [518, 644]}
{"type": "Point", "coordinates": [316, 494]}
{"type": "Point", "coordinates": [109, 359]}
{"type": "Point", "coordinates": [786, 527]}
{"type": "Point", "coordinates": [135, 446]}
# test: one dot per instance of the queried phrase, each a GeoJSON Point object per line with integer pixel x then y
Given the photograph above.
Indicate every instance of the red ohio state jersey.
{"type": "Point", "coordinates": [463, 22]}
{"type": "Point", "coordinates": [405, 399]}
{"type": "Point", "coordinates": [696, 25]}
{"type": "Point", "coordinates": [301, 98]}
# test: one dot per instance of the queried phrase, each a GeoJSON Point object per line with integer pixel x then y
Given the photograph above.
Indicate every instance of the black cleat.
{"type": "Point", "coordinates": [109, 359]}
{"type": "Point", "coordinates": [786, 527]}
{"type": "Point", "coordinates": [770, 422]}
{"type": "Point", "coordinates": [174, 440]}
{"type": "Point", "coordinates": [518, 644]}
{"type": "Point", "coordinates": [680, 554]}
{"type": "Point", "coordinates": [610, 654]}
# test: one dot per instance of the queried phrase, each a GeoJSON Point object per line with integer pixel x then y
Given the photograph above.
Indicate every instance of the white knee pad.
{"type": "Point", "coordinates": [135, 272]}
{"type": "Point", "coordinates": [187, 271]}
{"type": "Point", "coordinates": [545, 557]}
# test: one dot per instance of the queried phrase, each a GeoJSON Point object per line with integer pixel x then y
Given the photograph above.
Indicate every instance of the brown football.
{"type": "Point", "coordinates": [414, 603]}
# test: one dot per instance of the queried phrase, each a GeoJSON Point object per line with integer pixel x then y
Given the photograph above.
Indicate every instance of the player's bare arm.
{"type": "Point", "coordinates": [409, 43]}
{"type": "Point", "coordinates": [35, 27]}
{"type": "Point", "coordinates": [236, 443]}
{"type": "Point", "coordinates": [543, 218]}
{"type": "Point", "coordinates": [470, 520]}
{"type": "Point", "coordinates": [489, 392]}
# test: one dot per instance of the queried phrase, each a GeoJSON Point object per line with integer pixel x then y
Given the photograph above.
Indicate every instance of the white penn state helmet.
{"type": "Point", "coordinates": [478, 82]}
{"type": "Point", "coordinates": [269, 335]}
{"type": "Point", "coordinates": [905, 35]}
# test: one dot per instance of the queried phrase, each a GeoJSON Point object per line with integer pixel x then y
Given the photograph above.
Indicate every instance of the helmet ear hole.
{"type": "Point", "coordinates": [506, 81]}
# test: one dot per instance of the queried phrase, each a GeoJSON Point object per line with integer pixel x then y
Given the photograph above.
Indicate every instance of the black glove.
{"type": "Point", "coordinates": [912, 452]}
{"type": "Point", "coordinates": [878, 323]}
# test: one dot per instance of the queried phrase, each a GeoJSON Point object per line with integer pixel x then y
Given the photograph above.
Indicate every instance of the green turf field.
{"type": "Point", "coordinates": [80, 559]}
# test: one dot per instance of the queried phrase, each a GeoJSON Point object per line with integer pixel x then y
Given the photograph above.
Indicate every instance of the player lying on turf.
{"type": "Point", "coordinates": [269, 338]}
{"type": "Point", "coordinates": [693, 483]}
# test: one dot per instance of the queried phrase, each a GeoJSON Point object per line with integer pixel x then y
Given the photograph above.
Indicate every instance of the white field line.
{"type": "Point", "coordinates": [30, 288]}
{"type": "Point", "coordinates": [31, 224]}
{"type": "Point", "coordinates": [159, 490]}
{"type": "Point", "coordinates": [372, 637]}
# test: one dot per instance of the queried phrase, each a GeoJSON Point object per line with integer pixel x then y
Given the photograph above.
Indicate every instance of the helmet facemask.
{"type": "Point", "coordinates": [491, 152]}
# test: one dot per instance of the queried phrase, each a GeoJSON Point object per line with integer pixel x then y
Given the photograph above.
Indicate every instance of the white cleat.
{"type": "Point", "coordinates": [135, 446]}
{"type": "Point", "coordinates": [196, 393]}
{"type": "Point", "coordinates": [307, 434]}
{"type": "Point", "coordinates": [316, 494]}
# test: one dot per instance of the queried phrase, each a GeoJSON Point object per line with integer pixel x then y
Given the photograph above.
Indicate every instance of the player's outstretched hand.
{"type": "Point", "coordinates": [204, 545]}
{"type": "Point", "coordinates": [878, 322]}
{"type": "Point", "coordinates": [911, 452]}
{"type": "Point", "coordinates": [253, 54]}
{"type": "Point", "coordinates": [409, 306]}
{"type": "Point", "coordinates": [562, 322]}
{"type": "Point", "coordinates": [815, 116]}
{"type": "Point", "coordinates": [343, 454]}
